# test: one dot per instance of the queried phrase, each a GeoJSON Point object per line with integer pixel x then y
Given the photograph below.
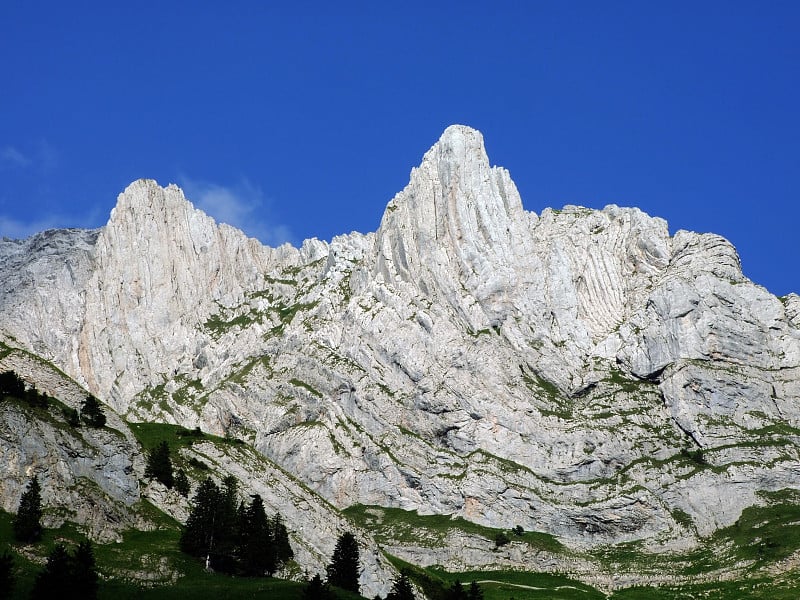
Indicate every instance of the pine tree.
{"type": "Point", "coordinates": [280, 540]}
{"type": "Point", "coordinates": [475, 592]}
{"type": "Point", "coordinates": [203, 527]}
{"type": "Point", "coordinates": [92, 413]}
{"type": "Point", "coordinates": [84, 572]}
{"type": "Point", "coordinates": [456, 592]}
{"type": "Point", "coordinates": [344, 567]}
{"type": "Point", "coordinates": [56, 575]}
{"type": "Point", "coordinates": [27, 522]}
{"type": "Point", "coordinates": [224, 556]}
{"type": "Point", "coordinates": [316, 589]}
{"type": "Point", "coordinates": [71, 416]}
{"type": "Point", "coordinates": [11, 385]}
{"type": "Point", "coordinates": [257, 551]}
{"type": "Point", "coordinates": [182, 483]}
{"type": "Point", "coordinates": [159, 465]}
{"type": "Point", "coordinates": [7, 575]}
{"type": "Point", "coordinates": [401, 588]}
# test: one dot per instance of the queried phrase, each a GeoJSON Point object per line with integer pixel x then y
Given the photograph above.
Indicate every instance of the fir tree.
{"type": "Point", "coordinates": [27, 522]}
{"type": "Point", "coordinates": [84, 572]}
{"type": "Point", "coordinates": [344, 566]}
{"type": "Point", "coordinates": [280, 540]}
{"type": "Point", "coordinates": [71, 416]}
{"type": "Point", "coordinates": [257, 551]}
{"type": "Point", "coordinates": [316, 589]}
{"type": "Point", "coordinates": [11, 385]}
{"type": "Point", "coordinates": [7, 575]}
{"type": "Point", "coordinates": [475, 592]}
{"type": "Point", "coordinates": [159, 465]}
{"type": "Point", "coordinates": [456, 592]}
{"type": "Point", "coordinates": [92, 413]}
{"type": "Point", "coordinates": [56, 575]}
{"type": "Point", "coordinates": [203, 527]}
{"type": "Point", "coordinates": [182, 483]}
{"type": "Point", "coordinates": [401, 588]}
{"type": "Point", "coordinates": [224, 556]}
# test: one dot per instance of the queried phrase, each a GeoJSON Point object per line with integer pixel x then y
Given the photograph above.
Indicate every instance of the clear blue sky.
{"type": "Point", "coordinates": [304, 119]}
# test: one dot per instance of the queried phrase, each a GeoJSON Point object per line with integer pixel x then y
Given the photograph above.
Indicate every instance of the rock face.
{"type": "Point", "coordinates": [578, 372]}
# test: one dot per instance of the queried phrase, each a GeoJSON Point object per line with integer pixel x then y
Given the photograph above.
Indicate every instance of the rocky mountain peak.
{"type": "Point", "coordinates": [458, 225]}
{"type": "Point", "coordinates": [469, 358]}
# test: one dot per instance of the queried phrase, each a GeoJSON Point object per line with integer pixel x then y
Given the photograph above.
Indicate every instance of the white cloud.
{"type": "Point", "coordinates": [12, 156]}
{"type": "Point", "coordinates": [41, 155]}
{"type": "Point", "coordinates": [242, 205]}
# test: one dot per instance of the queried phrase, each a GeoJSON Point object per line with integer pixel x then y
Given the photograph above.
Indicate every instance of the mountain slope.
{"type": "Point", "coordinates": [580, 373]}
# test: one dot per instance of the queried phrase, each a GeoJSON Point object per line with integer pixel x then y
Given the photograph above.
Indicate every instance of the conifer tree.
{"type": "Point", "coordinates": [344, 567]}
{"type": "Point", "coordinates": [258, 553]}
{"type": "Point", "coordinates": [182, 483]}
{"type": "Point", "coordinates": [316, 589]}
{"type": "Point", "coordinates": [56, 575]}
{"type": "Point", "coordinates": [27, 522]}
{"type": "Point", "coordinates": [159, 465]}
{"type": "Point", "coordinates": [475, 592]}
{"type": "Point", "coordinates": [7, 575]}
{"type": "Point", "coordinates": [203, 527]}
{"type": "Point", "coordinates": [84, 572]}
{"type": "Point", "coordinates": [456, 592]}
{"type": "Point", "coordinates": [401, 588]}
{"type": "Point", "coordinates": [11, 385]}
{"type": "Point", "coordinates": [280, 540]}
{"type": "Point", "coordinates": [92, 413]}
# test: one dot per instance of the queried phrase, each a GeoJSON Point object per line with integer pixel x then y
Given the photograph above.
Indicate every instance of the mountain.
{"type": "Point", "coordinates": [578, 373]}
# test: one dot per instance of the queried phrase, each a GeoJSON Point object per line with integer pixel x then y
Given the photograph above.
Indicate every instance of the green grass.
{"type": "Point", "coordinates": [146, 551]}
{"type": "Point", "coordinates": [305, 386]}
{"type": "Point", "coordinates": [395, 524]}
{"type": "Point", "coordinates": [499, 585]}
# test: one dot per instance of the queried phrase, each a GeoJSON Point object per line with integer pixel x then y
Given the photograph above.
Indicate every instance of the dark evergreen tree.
{"type": "Point", "coordinates": [159, 465]}
{"type": "Point", "coordinates": [475, 592]}
{"type": "Point", "coordinates": [28, 520]}
{"type": "Point", "coordinates": [182, 483]}
{"type": "Point", "coordinates": [36, 398]}
{"type": "Point", "coordinates": [204, 525]}
{"type": "Point", "coordinates": [456, 592]}
{"type": "Point", "coordinates": [56, 577]}
{"type": "Point", "coordinates": [84, 572]}
{"type": "Point", "coordinates": [72, 417]}
{"type": "Point", "coordinates": [11, 385]}
{"type": "Point", "coordinates": [401, 588]}
{"type": "Point", "coordinates": [316, 589]}
{"type": "Point", "coordinates": [280, 540]}
{"type": "Point", "coordinates": [7, 575]}
{"type": "Point", "coordinates": [224, 557]}
{"type": "Point", "coordinates": [344, 567]}
{"type": "Point", "coordinates": [92, 413]}
{"type": "Point", "coordinates": [257, 553]}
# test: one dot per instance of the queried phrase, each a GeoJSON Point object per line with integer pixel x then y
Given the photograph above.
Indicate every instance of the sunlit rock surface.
{"type": "Point", "coordinates": [578, 372]}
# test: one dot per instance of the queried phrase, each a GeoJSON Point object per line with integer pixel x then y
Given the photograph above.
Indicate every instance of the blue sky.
{"type": "Point", "coordinates": [302, 120]}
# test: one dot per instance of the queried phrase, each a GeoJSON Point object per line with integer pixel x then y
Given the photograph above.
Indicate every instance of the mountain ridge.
{"type": "Point", "coordinates": [469, 358]}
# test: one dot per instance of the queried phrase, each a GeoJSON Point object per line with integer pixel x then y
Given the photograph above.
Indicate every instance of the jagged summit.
{"type": "Point", "coordinates": [469, 358]}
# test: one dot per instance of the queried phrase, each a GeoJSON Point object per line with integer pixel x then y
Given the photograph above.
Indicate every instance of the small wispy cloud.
{"type": "Point", "coordinates": [12, 156]}
{"type": "Point", "coordinates": [242, 205]}
{"type": "Point", "coordinates": [40, 155]}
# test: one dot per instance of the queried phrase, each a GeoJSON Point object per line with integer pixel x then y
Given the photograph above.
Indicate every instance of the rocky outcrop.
{"type": "Point", "coordinates": [559, 371]}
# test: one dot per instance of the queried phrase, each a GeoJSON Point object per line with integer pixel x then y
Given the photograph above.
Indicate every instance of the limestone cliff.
{"type": "Point", "coordinates": [555, 371]}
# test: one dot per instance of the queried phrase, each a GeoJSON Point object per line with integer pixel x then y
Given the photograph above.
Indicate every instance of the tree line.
{"type": "Point", "coordinates": [234, 537]}
{"type": "Point", "coordinates": [90, 414]}
{"type": "Point", "coordinates": [73, 574]}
